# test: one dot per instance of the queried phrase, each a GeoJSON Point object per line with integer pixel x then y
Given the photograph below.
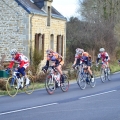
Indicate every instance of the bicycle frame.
{"type": "Point", "coordinates": [84, 77]}
{"type": "Point", "coordinates": [104, 72]}
{"type": "Point", "coordinates": [14, 83]}
{"type": "Point", "coordinates": [54, 72]}
{"type": "Point", "coordinates": [53, 80]}
{"type": "Point", "coordinates": [104, 65]}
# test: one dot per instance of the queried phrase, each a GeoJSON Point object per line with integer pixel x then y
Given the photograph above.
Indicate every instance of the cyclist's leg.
{"type": "Point", "coordinates": [59, 68]}
{"type": "Point", "coordinates": [89, 70]}
{"type": "Point", "coordinates": [108, 68]}
{"type": "Point", "coordinates": [27, 79]}
{"type": "Point", "coordinates": [22, 72]}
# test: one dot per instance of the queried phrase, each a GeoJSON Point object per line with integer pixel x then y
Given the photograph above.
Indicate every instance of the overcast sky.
{"type": "Point", "coordinates": [66, 7]}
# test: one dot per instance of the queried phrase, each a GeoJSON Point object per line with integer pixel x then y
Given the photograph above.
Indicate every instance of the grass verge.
{"type": "Point", "coordinates": [36, 86]}
{"type": "Point", "coordinates": [114, 68]}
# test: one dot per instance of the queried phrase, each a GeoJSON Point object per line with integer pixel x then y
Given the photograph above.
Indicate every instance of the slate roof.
{"type": "Point", "coordinates": [36, 8]}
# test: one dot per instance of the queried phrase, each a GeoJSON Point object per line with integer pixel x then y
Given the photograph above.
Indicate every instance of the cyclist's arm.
{"type": "Point", "coordinates": [75, 61]}
{"type": "Point", "coordinates": [11, 64]}
{"type": "Point", "coordinates": [97, 60]}
{"type": "Point", "coordinates": [47, 63]}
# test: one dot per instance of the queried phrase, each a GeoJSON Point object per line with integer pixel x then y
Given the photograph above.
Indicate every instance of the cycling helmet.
{"type": "Point", "coordinates": [102, 50]}
{"type": "Point", "coordinates": [79, 51]}
{"type": "Point", "coordinates": [13, 51]}
{"type": "Point", "coordinates": [49, 51]}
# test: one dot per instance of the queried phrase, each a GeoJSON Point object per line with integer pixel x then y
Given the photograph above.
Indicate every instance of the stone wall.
{"type": "Point", "coordinates": [18, 29]}
{"type": "Point", "coordinates": [14, 28]}
{"type": "Point", "coordinates": [57, 27]}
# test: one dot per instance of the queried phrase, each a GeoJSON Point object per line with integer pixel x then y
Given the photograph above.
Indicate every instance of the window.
{"type": "Point", "coordinates": [60, 44]}
{"type": "Point", "coordinates": [39, 43]}
{"type": "Point", "coordinates": [52, 42]}
{"type": "Point", "coordinates": [48, 18]}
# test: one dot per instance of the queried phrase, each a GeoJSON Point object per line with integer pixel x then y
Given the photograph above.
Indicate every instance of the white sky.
{"type": "Point", "coordinates": [66, 7]}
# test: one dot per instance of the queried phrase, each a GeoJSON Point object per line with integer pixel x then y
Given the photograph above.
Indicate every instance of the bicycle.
{"type": "Point", "coordinates": [84, 77]}
{"type": "Point", "coordinates": [12, 84]}
{"type": "Point", "coordinates": [53, 81]}
{"type": "Point", "coordinates": [79, 72]}
{"type": "Point", "coordinates": [105, 72]}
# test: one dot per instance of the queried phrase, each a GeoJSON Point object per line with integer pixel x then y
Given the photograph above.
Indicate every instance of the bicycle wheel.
{"type": "Point", "coordinates": [108, 74]}
{"type": "Point", "coordinates": [77, 79]}
{"type": "Point", "coordinates": [82, 81]}
{"type": "Point", "coordinates": [50, 85]}
{"type": "Point", "coordinates": [30, 87]}
{"type": "Point", "coordinates": [65, 86]}
{"type": "Point", "coordinates": [102, 75]}
{"type": "Point", "coordinates": [11, 86]}
{"type": "Point", "coordinates": [92, 83]}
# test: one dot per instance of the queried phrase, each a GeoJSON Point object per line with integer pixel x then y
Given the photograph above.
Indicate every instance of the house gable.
{"type": "Point", "coordinates": [37, 7]}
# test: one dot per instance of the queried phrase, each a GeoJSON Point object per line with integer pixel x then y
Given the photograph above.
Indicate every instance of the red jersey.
{"type": "Point", "coordinates": [103, 56]}
{"type": "Point", "coordinates": [21, 59]}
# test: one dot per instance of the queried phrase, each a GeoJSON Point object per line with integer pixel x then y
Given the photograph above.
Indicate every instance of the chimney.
{"type": "Point", "coordinates": [47, 3]}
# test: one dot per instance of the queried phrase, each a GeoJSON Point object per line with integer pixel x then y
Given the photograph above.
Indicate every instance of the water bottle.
{"type": "Point", "coordinates": [105, 71]}
{"type": "Point", "coordinates": [57, 77]}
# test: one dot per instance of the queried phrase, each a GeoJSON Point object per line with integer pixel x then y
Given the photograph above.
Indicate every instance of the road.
{"type": "Point", "coordinates": [99, 103]}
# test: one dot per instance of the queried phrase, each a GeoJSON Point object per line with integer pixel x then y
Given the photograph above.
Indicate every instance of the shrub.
{"type": "Point", "coordinates": [37, 57]}
{"type": "Point", "coordinates": [2, 84]}
{"type": "Point", "coordinates": [118, 54]}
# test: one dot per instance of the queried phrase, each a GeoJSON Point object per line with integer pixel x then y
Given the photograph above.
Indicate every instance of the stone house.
{"type": "Point", "coordinates": [31, 24]}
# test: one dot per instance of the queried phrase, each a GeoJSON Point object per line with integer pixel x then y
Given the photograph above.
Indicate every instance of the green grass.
{"type": "Point", "coordinates": [36, 86]}
{"type": "Point", "coordinates": [114, 68]}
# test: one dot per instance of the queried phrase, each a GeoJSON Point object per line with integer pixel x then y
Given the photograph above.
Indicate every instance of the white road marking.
{"type": "Point", "coordinates": [20, 110]}
{"type": "Point", "coordinates": [97, 94]}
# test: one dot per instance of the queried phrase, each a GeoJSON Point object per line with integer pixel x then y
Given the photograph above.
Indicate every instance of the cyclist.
{"type": "Point", "coordinates": [58, 62]}
{"type": "Point", "coordinates": [103, 56]}
{"type": "Point", "coordinates": [23, 63]}
{"type": "Point", "coordinates": [119, 62]}
{"type": "Point", "coordinates": [84, 57]}
{"type": "Point", "coordinates": [77, 57]}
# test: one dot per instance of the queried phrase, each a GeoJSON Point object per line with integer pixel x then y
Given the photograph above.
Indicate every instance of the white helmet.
{"type": "Point", "coordinates": [79, 51]}
{"type": "Point", "coordinates": [49, 51]}
{"type": "Point", "coordinates": [13, 51]}
{"type": "Point", "coordinates": [102, 50]}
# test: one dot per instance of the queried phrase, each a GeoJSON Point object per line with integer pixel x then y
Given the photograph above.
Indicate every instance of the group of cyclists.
{"type": "Point", "coordinates": [80, 57]}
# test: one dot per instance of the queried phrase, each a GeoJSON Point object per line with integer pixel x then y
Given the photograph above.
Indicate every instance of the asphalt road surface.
{"type": "Point", "coordinates": [99, 103]}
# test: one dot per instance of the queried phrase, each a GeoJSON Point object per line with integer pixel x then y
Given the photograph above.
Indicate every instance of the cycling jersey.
{"type": "Point", "coordinates": [85, 57]}
{"type": "Point", "coordinates": [55, 57]}
{"type": "Point", "coordinates": [21, 59]}
{"type": "Point", "coordinates": [104, 56]}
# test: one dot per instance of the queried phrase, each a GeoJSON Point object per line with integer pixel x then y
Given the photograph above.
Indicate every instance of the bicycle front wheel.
{"type": "Point", "coordinates": [108, 74]}
{"type": "Point", "coordinates": [77, 78]}
{"type": "Point", "coordinates": [65, 86]}
{"type": "Point", "coordinates": [92, 82]}
{"type": "Point", "coordinates": [11, 86]}
{"type": "Point", "coordinates": [29, 88]}
{"type": "Point", "coordinates": [82, 81]}
{"type": "Point", "coordinates": [102, 75]}
{"type": "Point", "coordinates": [50, 85]}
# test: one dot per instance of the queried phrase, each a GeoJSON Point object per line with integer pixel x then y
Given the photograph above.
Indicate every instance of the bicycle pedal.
{"type": "Point", "coordinates": [56, 85]}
